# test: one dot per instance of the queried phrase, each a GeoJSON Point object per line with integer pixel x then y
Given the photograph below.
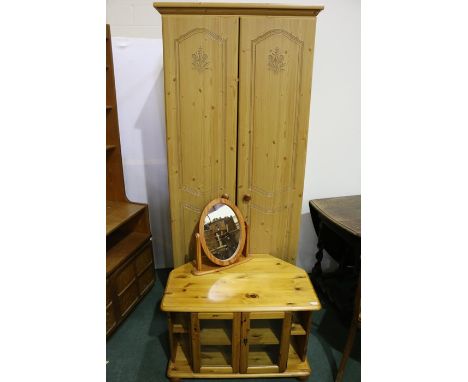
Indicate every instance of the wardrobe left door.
{"type": "Point", "coordinates": [200, 77]}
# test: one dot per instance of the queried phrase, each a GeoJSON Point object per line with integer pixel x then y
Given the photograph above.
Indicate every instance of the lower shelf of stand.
{"type": "Point", "coordinates": [215, 332]}
{"type": "Point", "coordinates": [181, 367]}
{"type": "Point", "coordinates": [297, 329]}
{"type": "Point", "coordinates": [264, 332]}
{"type": "Point", "coordinates": [215, 359]}
{"type": "Point", "coordinates": [262, 358]}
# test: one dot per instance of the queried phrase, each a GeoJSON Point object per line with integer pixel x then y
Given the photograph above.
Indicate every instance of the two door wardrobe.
{"type": "Point", "coordinates": [237, 81]}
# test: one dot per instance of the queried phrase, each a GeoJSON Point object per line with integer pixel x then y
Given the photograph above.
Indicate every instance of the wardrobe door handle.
{"type": "Point", "coordinates": [246, 198]}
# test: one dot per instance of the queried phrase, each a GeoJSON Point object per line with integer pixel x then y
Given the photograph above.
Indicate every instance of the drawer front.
{"type": "Point", "coordinates": [144, 259]}
{"type": "Point", "coordinates": [125, 277]}
{"type": "Point", "coordinates": [128, 298]}
{"type": "Point", "coordinates": [215, 316]}
{"type": "Point", "coordinates": [146, 279]}
{"type": "Point", "coordinates": [110, 318]}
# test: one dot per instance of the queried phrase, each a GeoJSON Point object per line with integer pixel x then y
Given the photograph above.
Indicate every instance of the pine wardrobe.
{"type": "Point", "coordinates": [237, 90]}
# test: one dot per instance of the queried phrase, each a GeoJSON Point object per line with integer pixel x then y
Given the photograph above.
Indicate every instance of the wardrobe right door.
{"type": "Point", "coordinates": [275, 74]}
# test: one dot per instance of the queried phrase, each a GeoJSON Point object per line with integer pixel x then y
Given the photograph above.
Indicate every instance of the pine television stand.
{"type": "Point", "coordinates": [249, 321]}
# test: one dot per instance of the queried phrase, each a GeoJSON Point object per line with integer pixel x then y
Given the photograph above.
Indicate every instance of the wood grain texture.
{"type": "Point", "coordinates": [264, 332]}
{"type": "Point", "coordinates": [200, 81]}
{"type": "Point", "coordinates": [119, 252]}
{"type": "Point", "coordinates": [244, 345]}
{"type": "Point", "coordinates": [217, 332]}
{"type": "Point", "coordinates": [267, 315]}
{"type": "Point", "coordinates": [301, 337]}
{"type": "Point", "coordinates": [236, 340]}
{"type": "Point", "coordinates": [276, 55]}
{"type": "Point", "coordinates": [111, 320]}
{"type": "Point", "coordinates": [284, 343]}
{"type": "Point", "coordinates": [216, 316]}
{"type": "Point", "coordinates": [208, 267]}
{"type": "Point", "coordinates": [238, 344]}
{"type": "Point", "coordinates": [236, 9]}
{"type": "Point", "coordinates": [345, 211]}
{"type": "Point", "coordinates": [216, 359]}
{"type": "Point", "coordinates": [195, 340]}
{"type": "Point", "coordinates": [296, 368]}
{"type": "Point", "coordinates": [118, 213]}
{"type": "Point", "coordinates": [262, 284]}
{"type": "Point", "coordinates": [172, 342]}
{"type": "Point", "coordinates": [198, 255]}
{"type": "Point", "coordinates": [115, 188]}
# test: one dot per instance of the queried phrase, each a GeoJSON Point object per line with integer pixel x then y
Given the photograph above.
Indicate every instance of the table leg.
{"type": "Point", "coordinates": [317, 270]}
{"type": "Point", "coordinates": [356, 322]}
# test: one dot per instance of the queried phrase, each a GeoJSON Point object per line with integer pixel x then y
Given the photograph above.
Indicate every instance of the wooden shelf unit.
{"type": "Point", "coordinates": [261, 361]}
{"type": "Point", "coordinates": [129, 259]}
{"type": "Point", "coordinates": [117, 254]}
{"type": "Point", "coordinates": [119, 213]}
{"type": "Point", "coordinates": [249, 321]}
{"type": "Point", "coordinates": [268, 351]}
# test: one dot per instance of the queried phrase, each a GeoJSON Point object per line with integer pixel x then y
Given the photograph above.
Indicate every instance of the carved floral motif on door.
{"type": "Point", "coordinates": [200, 60]}
{"type": "Point", "coordinates": [276, 61]}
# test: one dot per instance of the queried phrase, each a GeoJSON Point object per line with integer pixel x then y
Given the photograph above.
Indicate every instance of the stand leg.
{"type": "Point", "coordinates": [198, 259]}
{"type": "Point", "coordinates": [244, 251]}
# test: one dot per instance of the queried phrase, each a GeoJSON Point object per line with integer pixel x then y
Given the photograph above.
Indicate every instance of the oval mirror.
{"type": "Point", "coordinates": [222, 231]}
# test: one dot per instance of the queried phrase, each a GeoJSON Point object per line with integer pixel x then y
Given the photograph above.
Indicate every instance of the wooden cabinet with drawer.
{"type": "Point", "coordinates": [128, 284]}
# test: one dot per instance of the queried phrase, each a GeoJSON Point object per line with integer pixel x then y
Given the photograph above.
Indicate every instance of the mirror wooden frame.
{"type": "Point", "coordinates": [242, 237]}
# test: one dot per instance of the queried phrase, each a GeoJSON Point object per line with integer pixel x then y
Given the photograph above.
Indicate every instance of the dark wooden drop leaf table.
{"type": "Point", "coordinates": [337, 222]}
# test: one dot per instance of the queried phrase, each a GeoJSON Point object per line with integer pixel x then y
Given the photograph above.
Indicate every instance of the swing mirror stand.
{"type": "Point", "coordinates": [221, 240]}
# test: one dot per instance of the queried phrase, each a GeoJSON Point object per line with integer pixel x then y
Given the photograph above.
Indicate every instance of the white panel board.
{"type": "Point", "coordinates": [139, 80]}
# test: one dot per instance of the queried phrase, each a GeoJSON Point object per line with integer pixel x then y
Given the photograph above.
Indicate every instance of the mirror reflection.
{"type": "Point", "coordinates": [222, 231]}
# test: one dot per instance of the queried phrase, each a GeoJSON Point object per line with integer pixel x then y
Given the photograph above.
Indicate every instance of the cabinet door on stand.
{"type": "Point", "coordinates": [265, 342]}
{"type": "Point", "coordinates": [200, 76]}
{"type": "Point", "coordinates": [275, 66]}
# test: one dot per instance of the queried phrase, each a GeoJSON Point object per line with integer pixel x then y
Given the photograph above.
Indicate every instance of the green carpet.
{"type": "Point", "coordinates": [138, 350]}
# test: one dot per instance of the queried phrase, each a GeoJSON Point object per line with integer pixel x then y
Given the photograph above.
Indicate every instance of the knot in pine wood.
{"type": "Point", "coordinates": [251, 295]}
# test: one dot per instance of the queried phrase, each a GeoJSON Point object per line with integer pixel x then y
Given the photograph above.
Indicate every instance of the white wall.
{"type": "Point", "coordinates": [133, 18]}
{"type": "Point", "coordinates": [333, 166]}
{"type": "Point", "coordinates": [333, 156]}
